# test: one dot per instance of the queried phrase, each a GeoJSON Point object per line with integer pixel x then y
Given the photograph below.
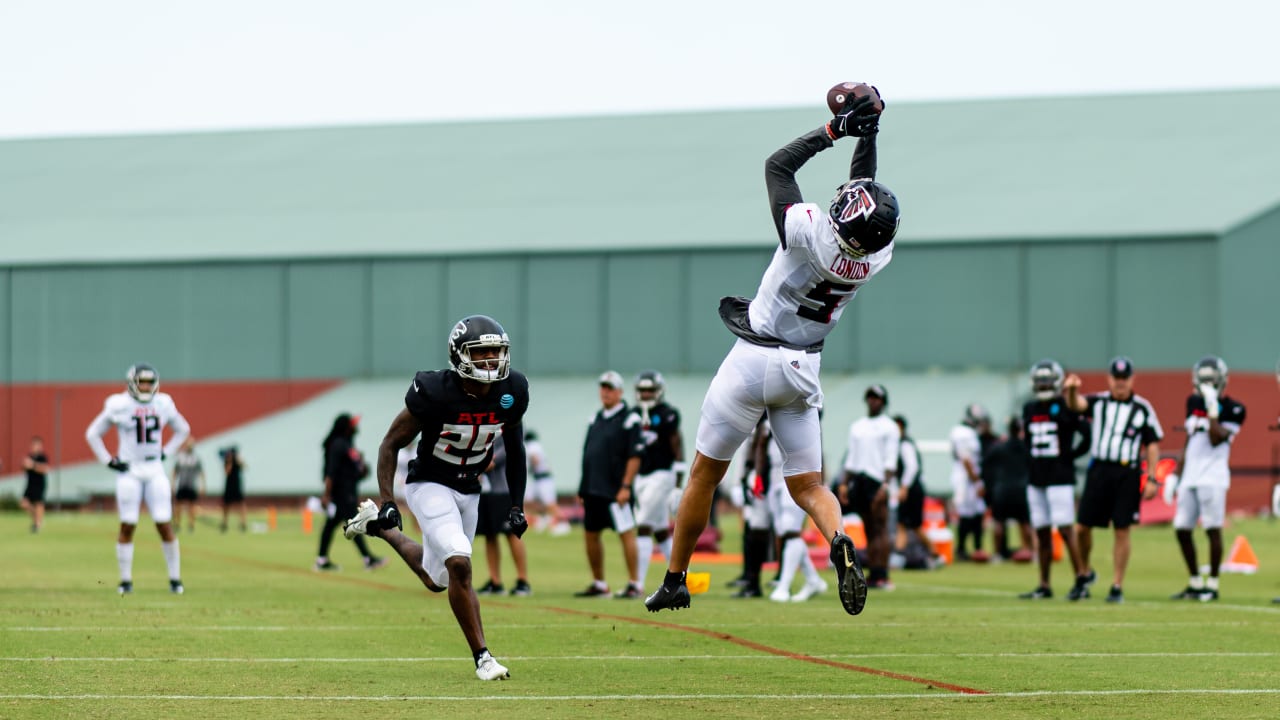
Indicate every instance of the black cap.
{"type": "Point", "coordinates": [1121, 367]}
{"type": "Point", "coordinates": [877, 391]}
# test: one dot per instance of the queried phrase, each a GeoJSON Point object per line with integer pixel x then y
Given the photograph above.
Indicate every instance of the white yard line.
{"type": "Point", "coordinates": [672, 696]}
{"type": "Point", "coordinates": [646, 658]}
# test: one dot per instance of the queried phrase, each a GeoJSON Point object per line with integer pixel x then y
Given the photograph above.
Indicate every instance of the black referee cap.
{"type": "Point", "coordinates": [1121, 367]}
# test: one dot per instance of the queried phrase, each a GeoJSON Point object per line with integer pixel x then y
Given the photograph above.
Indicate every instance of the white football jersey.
{"type": "Point", "coordinates": [964, 445]}
{"type": "Point", "coordinates": [1205, 464]}
{"type": "Point", "coordinates": [807, 284]}
{"type": "Point", "coordinates": [140, 426]}
{"type": "Point", "coordinates": [873, 446]}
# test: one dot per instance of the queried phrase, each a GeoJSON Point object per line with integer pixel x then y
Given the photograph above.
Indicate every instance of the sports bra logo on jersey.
{"type": "Point", "coordinates": [850, 269]}
{"type": "Point", "coordinates": [506, 401]}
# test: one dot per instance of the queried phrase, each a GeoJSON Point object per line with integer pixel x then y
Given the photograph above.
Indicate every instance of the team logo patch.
{"type": "Point", "coordinates": [655, 420]}
{"type": "Point", "coordinates": [1053, 409]}
{"type": "Point", "coordinates": [795, 364]}
{"type": "Point", "coordinates": [506, 401]}
{"type": "Point", "coordinates": [857, 203]}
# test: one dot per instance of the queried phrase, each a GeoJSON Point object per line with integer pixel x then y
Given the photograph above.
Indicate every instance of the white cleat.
{"type": "Point", "coordinates": [780, 594]}
{"type": "Point", "coordinates": [815, 587]}
{"type": "Point", "coordinates": [489, 669]}
{"type": "Point", "coordinates": [359, 525]}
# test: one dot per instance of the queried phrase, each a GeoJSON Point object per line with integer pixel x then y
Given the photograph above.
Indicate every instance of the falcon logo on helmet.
{"type": "Point", "coordinates": [139, 375]}
{"type": "Point", "coordinates": [1046, 379]}
{"type": "Point", "coordinates": [473, 333]}
{"type": "Point", "coordinates": [864, 216]}
{"type": "Point", "coordinates": [1210, 370]}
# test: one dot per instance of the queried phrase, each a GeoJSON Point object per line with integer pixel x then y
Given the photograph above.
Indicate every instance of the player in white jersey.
{"type": "Point", "coordinates": [1213, 419]}
{"type": "Point", "coordinates": [540, 493]}
{"type": "Point", "coordinates": [824, 255]}
{"type": "Point", "coordinates": [967, 491]}
{"type": "Point", "coordinates": [140, 415]}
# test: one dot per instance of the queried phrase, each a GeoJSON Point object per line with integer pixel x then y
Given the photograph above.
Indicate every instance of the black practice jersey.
{"type": "Point", "coordinates": [458, 430]}
{"type": "Point", "coordinates": [657, 427]}
{"type": "Point", "coordinates": [1051, 429]}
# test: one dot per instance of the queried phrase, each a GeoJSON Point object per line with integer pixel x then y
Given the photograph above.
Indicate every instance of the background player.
{"type": "Point", "coordinates": [140, 415]}
{"type": "Point", "coordinates": [661, 469]}
{"type": "Point", "coordinates": [823, 257]}
{"type": "Point", "coordinates": [1052, 429]}
{"type": "Point", "coordinates": [1213, 419]}
{"type": "Point", "coordinates": [459, 412]}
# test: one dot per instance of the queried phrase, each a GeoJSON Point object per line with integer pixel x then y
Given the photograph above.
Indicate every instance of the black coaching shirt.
{"type": "Point", "coordinates": [612, 439]}
{"type": "Point", "coordinates": [459, 430]}
{"type": "Point", "coordinates": [657, 427]}
{"type": "Point", "coordinates": [1051, 441]}
{"type": "Point", "coordinates": [1121, 427]}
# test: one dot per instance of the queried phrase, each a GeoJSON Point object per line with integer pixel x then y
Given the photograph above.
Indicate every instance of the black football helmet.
{"type": "Point", "coordinates": [650, 381]}
{"type": "Point", "coordinates": [975, 415]}
{"type": "Point", "coordinates": [1212, 370]}
{"type": "Point", "coordinates": [864, 216]}
{"type": "Point", "coordinates": [479, 331]}
{"type": "Point", "coordinates": [141, 373]}
{"type": "Point", "coordinates": [1046, 379]}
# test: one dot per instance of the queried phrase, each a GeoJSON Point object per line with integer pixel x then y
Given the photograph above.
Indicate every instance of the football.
{"type": "Point", "coordinates": [837, 95]}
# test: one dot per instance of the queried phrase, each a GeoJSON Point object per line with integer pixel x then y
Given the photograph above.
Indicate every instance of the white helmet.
{"type": "Point", "coordinates": [141, 373]}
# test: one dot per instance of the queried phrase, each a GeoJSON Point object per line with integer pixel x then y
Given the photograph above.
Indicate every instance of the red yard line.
{"type": "Point", "coordinates": [743, 642]}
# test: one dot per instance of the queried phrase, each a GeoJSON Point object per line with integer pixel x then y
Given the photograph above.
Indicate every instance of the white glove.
{"type": "Point", "coordinates": [1210, 395]}
{"type": "Point", "coordinates": [1170, 490]}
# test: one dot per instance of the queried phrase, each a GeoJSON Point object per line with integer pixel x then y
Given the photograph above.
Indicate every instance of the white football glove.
{"type": "Point", "coordinates": [1170, 490]}
{"type": "Point", "coordinates": [1210, 395]}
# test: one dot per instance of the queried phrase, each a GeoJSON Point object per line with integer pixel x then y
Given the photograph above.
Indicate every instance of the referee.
{"type": "Point", "coordinates": [1122, 424]}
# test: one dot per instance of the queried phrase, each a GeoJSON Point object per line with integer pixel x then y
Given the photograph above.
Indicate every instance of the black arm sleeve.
{"type": "Point", "coordinates": [864, 158]}
{"type": "Point", "coordinates": [1086, 441]}
{"type": "Point", "coordinates": [517, 469]}
{"type": "Point", "coordinates": [780, 174]}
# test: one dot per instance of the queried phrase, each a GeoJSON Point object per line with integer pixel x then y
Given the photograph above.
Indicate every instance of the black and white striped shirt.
{"type": "Point", "coordinates": [1121, 427]}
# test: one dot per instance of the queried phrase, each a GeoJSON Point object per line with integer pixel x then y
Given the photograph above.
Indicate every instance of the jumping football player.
{"type": "Point", "coordinates": [140, 415]}
{"type": "Point", "coordinates": [823, 257]}
{"type": "Point", "coordinates": [459, 412]}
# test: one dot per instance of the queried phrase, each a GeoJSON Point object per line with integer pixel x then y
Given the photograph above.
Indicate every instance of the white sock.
{"type": "Point", "coordinates": [172, 559]}
{"type": "Point", "coordinates": [792, 551]}
{"type": "Point", "coordinates": [644, 551]}
{"type": "Point", "coordinates": [1196, 582]}
{"type": "Point", "coordinates": [665, 547]}
{"type": "Point", "coordinates": [124, 558]}
{"type": "Point", "coordinates": [806, 567]}
{"type": "Point", "coordinates": [1212, 583]}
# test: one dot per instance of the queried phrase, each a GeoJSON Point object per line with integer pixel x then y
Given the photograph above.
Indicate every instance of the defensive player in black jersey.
{"type": "Point", "coordinates": [1051, 431]}
{"type": "Point", "coordinates": [661, 468]}
{"type": "Point", "coordinates": [459, 413]}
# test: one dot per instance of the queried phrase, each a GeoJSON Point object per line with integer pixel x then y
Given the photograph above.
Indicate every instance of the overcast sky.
{"type": "Point", "coordinates": [128, 66]}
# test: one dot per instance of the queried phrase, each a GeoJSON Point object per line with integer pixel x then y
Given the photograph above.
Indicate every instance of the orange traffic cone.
{"type": "Point", "coordinates": [271, 517]}
{"type": "Point", "coordinates": [1057, 545]}
{"type": "Point", "coordinates": [1241, 559]}
{"type": "Point", "coordinates": [306, 520]}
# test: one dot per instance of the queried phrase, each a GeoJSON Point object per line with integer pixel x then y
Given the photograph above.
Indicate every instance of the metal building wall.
{"type": "Point", "coordinates": [996, 306]}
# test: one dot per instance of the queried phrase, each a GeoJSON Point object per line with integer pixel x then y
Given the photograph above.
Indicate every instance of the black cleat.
{"type": "Point", "coordinates": [853, 586]}
{"type": "Point", "coordinates": [1116, 596]}
{"type": "Point", "coordinates": [593, 590]}
{"type": "Point", "coordinates": [1189, 593]}
{"type": "Point", "coordinates": [125, 587]}
{"type": "Point", "coordinates": [1207, 595]}
{"type": "Point", "coordinates": [490, 588]}
{"type": "Point", "coordinates": [669, 598]}
{"type": "Point", "coordinates": [747, 592]}
{"type": "Point", "coordinates": [631, 591]}
{"type": "Point", "coordinates": [1040, 593]}
{"type": "Point", "coordinates": [1079, 591]}
{"type": "Point", "coordinates": [175, 587]}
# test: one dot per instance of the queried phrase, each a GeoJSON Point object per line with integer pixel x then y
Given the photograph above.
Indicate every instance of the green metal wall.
{"type": "Point", "coordinates": [1248, 277]}
{"type": "Point", "coordinates": [996, 306]}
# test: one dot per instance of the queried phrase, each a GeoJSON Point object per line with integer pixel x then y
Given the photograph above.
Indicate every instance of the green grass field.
{"type": "Point", "coordinates": [259, 634]}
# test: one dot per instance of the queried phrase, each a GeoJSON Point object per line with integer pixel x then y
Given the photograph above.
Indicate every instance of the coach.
{"type": "Point", "coordinates": [1122, 424]}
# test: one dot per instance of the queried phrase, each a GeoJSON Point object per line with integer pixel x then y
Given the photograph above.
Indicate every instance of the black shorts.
{"type": "Point", "coordinates": [35, 490]}
{"type": "Point", "coordinates": [862, 492]}
{"type": "Point", "coordinates": [233, 493]}
{"type": "Point", "coordinates": [911, 510]}
{"type": "Point", "coordinates": [595, 513]}
{"type": "Point", "coordinates": [491, 515]}
{"type": "Point", "coordinates": [1012, 505]}
{"type": "Point", "coordinates": [1111, 496]}
{"type": "Point", "coordinates": [186, 494]}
